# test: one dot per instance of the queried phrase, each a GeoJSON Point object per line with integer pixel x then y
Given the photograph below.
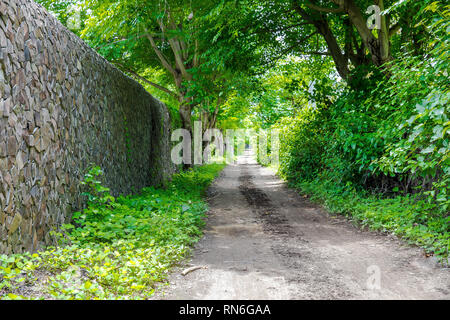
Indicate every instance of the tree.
{"type": "Point", "coordinates": [337, 29]}
{"type": "Point", "coordinates": [68, 12]}
{"type": "Point", "coordinates": [136, 35]}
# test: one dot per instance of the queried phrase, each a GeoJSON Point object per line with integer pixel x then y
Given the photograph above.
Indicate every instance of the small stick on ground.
{"type": "Point", "coordinates": [191, 269]}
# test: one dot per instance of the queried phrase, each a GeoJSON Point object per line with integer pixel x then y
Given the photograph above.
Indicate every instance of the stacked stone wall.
{"type": "Point", "coordinates": [64, 108]}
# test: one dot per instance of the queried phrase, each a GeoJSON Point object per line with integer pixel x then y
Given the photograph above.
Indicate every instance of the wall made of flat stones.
{"type": "Point", "coordinates": [62, 108]}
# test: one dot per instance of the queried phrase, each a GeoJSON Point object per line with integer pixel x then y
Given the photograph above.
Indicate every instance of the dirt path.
{"type": "Point", "coordinates": [264, 241]}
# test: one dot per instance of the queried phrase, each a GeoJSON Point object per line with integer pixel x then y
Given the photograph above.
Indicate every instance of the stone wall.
{"type": "Point", "coordinates": [62, 108]}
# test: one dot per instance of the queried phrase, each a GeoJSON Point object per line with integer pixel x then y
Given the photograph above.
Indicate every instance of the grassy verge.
{"type": "Point", "coordinates": [414, 220]}
{"type": "Point", "coordinates": [118, 248]}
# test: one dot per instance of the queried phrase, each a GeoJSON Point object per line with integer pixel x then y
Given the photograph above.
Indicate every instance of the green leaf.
{"type": "Point", "coordinates": [430, 149]}
{"type": "Point", "coordinates": [87, 285]}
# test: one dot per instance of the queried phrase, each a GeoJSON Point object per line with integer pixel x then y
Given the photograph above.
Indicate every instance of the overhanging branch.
{"type": "Point", "coordinates": [160, 55]}
{"type": "Point", "coordinates": [155, 85]}
{"type": "Point", "coordinates": [326, 10]}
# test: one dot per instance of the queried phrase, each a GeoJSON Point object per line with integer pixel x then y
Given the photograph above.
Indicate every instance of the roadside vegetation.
{"type": "Point", "coordinates": [117, 248]}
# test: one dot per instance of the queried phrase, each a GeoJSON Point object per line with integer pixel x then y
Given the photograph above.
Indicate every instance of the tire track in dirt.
{"type": "Point", "coordinates": [273, 222]}
{"type": "Point", "coordinates": [287, 243]}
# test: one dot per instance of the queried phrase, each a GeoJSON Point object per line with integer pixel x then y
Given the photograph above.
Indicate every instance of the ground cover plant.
{"type": "Point", "coordinates": [118, 247]}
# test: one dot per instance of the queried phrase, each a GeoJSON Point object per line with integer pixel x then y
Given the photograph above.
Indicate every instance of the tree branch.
{"type": "Point", "coordinates": [340, 3]}
{"type": "Point", "coordinates": [121, 40]}
{"type": "Point", "coordinates": [322, 26]}
{"type": "Point", "coordinates": [326, 10]}
{"type": "Point", "coordinates": [161, 57]}
{"type": "Point", "coordinates": [176, 48]}
{"type": "Point", "coordinates": [384, 34]}
{"type": "Point", "coordinates": [196, 60]}
{"type": "Point", "coordinates": [139, 77]}
{"type": "Point", "coordinates": [317, 53]}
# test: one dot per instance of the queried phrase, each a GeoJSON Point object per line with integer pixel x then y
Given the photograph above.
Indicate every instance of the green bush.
{"type": "Point", "coordinates": [301, 145]}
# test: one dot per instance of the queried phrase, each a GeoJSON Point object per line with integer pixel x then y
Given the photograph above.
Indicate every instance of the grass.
{"type": "Point", "coordinates": [118, 248]}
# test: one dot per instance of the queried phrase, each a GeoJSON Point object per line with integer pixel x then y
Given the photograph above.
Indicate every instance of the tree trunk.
{"type": "Point", "coordinates": [185, 111]}
{"type": "Point", "coordinates": [339, 58]}
{"type": "Point", "coordinates": [378, 48]}
{"type": "Point", "coordinates": [321, 24]}
{"type": "Point", "coordinates": [185, 114]}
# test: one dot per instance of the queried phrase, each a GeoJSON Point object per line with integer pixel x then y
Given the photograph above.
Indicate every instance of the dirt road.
{"type": "Point", "coordinates": [265, 241]}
